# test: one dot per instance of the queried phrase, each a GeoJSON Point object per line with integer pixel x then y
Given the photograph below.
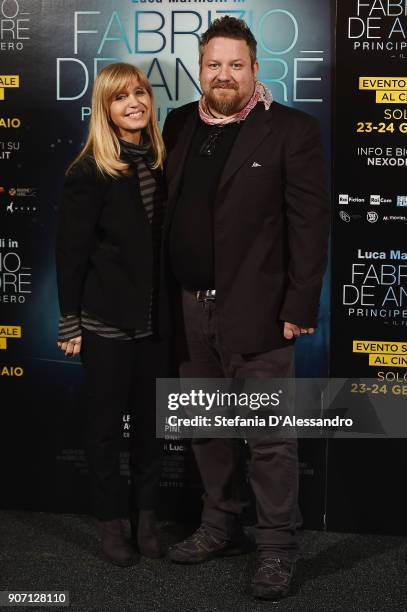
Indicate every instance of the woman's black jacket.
{"type": "Point", "coordinates": [104, 248]}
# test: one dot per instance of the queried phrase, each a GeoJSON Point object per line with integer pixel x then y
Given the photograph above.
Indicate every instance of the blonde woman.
{"type": "Point", "coordinates": [107, 256]}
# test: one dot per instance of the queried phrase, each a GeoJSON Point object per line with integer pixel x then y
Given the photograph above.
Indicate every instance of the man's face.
{"type": "Point", "coordinates": [227, 75]}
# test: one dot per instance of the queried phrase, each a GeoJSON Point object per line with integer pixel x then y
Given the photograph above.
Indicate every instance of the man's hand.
{"type": "Point", "coordinates": [292, 331]}
{"type": "Point", "coordinates": [71, 347]}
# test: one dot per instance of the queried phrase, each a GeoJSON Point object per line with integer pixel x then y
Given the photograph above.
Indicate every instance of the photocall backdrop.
{"type": "Point", "coordinates": [369, 258]}
{"type": "Point", "coordinates": [49, 54]}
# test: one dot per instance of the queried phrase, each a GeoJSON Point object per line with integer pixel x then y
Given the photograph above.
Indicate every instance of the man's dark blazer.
{"type": "Point", "coordinates": [104, 249]}
{"type": "Point", "coordinates": [271, 223]}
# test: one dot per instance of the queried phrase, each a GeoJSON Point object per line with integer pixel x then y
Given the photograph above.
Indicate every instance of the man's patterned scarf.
{"type": "Point", "coordinates": [261, 94]}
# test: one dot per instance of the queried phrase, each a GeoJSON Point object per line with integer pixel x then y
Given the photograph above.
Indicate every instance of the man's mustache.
{"type": "Point", "coordinates": [224, 85]}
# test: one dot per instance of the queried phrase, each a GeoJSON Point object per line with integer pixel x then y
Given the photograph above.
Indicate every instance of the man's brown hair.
{"type": "Point", "coordinates": [229, 27]}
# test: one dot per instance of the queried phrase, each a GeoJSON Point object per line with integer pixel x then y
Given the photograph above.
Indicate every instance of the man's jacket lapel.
{"type": "Point", "coordinates": [256, 127]}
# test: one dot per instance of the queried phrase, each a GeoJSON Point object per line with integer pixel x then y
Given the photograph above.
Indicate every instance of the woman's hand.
{"type": "Point", "coordinates": [71, 347]}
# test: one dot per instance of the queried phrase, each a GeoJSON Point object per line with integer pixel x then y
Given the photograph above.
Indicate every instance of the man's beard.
{"type": "Point", "coordinates": [225, 105]}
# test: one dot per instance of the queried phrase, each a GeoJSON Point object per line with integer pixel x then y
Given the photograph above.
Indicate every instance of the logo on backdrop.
{"type": "Point", "coordinates": [383, 353]}
{"type": "Point", "coordinates": [14, 25]}
{"type": "Point", "coordinates": [344, 216]}
{"type": "Point", "coordinates": [22, 192]}
{"type": "Point", "coordinates": [8, 149]}
{"type": "Point", "coordinates": [10, 204]}
{"type": "Point", "coordinates": [378, 26]}
{"type": "Point", "coordinates": [9, 370]}
{"type": "Point", "coordinates": [347, 218]}
{"type": "Point", "coordinates": [8, 81]}
{"type": "Point", "coordinates": [10, 122]}
{"type": "Point", "coordinates": [372, 216]}
{"type": "Point", "coordinates": [391, 157]}
{"type": "Point", "coordinates": [287, 60]}
{"type": "Point", "coordinates": [374, 200]}
{"type": "Point", "coordinates": [345, 198]}
{"type": "Point", "coordinates": [395, 218]}
{"type": "Point", "coordinates": [8, 333]}
{"type": "Point", "coordinates": [12, 208]}
{"type": "Point", "coordinates": [126, 425]}
{"type": "Point", "coordinates": [15, 277]}
{"type": "Point", "coordinates": [376, 287]}
{"type": "Point", "coordinates": [388, 90]}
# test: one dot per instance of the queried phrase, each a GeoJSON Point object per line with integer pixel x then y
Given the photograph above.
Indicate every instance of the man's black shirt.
{"type": "Point", "coordinates": [191, 235]}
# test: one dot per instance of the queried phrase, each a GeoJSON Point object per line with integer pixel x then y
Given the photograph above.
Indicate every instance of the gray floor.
{"type": "Point", "coordinates": [336, 572]}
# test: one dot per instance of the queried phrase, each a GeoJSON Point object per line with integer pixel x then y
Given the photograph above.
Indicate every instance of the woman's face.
{"type": "Point", "coordinates": [130, 111]}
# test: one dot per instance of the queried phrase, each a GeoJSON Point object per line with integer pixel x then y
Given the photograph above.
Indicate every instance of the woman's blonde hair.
{"type": "Point", "coordinates": [102, 142]}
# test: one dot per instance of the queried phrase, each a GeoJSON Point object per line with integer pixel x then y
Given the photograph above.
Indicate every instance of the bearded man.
{"type": "Point", "coordinates": [246, 240]}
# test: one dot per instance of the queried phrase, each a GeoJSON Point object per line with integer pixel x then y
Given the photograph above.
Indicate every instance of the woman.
{"type": "Point", "coordinates": [107, 268]}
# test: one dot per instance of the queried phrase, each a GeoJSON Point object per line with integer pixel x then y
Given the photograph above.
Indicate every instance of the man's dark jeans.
{"type": "Point", "coordinates": [273, 468]}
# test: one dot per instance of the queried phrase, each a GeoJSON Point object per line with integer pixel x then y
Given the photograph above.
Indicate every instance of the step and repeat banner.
{"type": "Point", "coordinates": [369, 253]}
{"type": "Point", "coordinates": [50, 52]}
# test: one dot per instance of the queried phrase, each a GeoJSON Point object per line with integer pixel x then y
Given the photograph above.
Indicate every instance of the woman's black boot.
{"type": "Point", "coordinates": [115, 547]}
{"type": "Point", "coordinates": [146, 534]}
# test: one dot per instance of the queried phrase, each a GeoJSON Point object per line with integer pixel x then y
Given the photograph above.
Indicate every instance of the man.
{"type": "Point", "coordinates": [246, 238]}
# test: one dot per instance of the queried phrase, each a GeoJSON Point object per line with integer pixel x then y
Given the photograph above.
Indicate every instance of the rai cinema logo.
{"type": "Point", "coordinates": [8, 332]}
{"type": "Point", "coordinates": [8, 81]}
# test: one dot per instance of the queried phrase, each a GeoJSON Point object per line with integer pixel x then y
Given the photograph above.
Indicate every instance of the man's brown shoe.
{"type": "Point", "coordinates": [272, 578]}
{"type": "Point", "coordinates": [202, 546]}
